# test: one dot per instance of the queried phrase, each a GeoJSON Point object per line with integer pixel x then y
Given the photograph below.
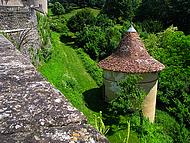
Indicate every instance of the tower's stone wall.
{"type": "Point", "coordinates": [148, 83]}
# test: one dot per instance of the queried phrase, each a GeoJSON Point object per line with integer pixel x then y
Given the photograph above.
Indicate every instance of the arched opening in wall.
{"type": "Point", "coordinates": [1, 2]}
{"type": "Point", "coordinates": [6, 1]}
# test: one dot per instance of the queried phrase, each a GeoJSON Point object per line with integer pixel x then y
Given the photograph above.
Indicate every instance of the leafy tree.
{"type": "Point", "coordinates": [81, 3]}
{"type": "Point", "coordinates": [171, 47]}
{"type": "Point", "coordinates": [151, 26]}
{"type": "Point", "coordinates": [58, 9]}
{"type": "Point", "coordinates": [95, 3]}
{"type": "Point", "coordinates": [167, 11]}
{"type": "Point", "coordinates": [113, 37]}
{"type": "Point", "coordinates": [80, 20]}
{"type": "Point", "coordinates": [92, 40]}
{"type": "Point", "coordinates": [151, 9]}
{"type": "Point", "coordinates": [181, 14]}
{"type": "Point", "coordinates": [98, 42]}
{"type": "Point", "coordinates": [103, 21]}
{"type": "Point", "coordinates": [125, 9]}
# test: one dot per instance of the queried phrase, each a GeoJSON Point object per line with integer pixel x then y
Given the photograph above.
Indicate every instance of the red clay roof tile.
{"type": "Point", "coordinates": [131, 57]}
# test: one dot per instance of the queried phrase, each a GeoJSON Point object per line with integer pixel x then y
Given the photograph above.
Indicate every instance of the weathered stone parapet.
{"type": "Point", "coordinates": [32, 110]}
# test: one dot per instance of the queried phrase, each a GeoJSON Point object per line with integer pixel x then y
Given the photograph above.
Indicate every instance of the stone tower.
{"type": "Point", "coordinates": [131, 57]}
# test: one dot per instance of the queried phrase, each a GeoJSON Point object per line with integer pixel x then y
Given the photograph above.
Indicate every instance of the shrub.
{"type": "Point", "coordinates": [44, 31]}
{"type": "Point", "coordinates": [171, 127]}
{"type": "Point", "coordinates": [152, 26]}
{"type": "Point", "coordinates": [92, 40]}
{"type": "Point", "coordinates": [68, 83]}
{"type": "Point", "coordinates": [80, 20]}
{"type": "Point", "coordinates": [103, 21]}
{"type": "Point", "coordinates": [98, 42]}
{"type": "Point", "coordinates": [59, 27]}
{"type": "Point", "coordinates": [66, 37]}
{"type": "Point", "coordinates": [58, 9]}
{"type": "Point", "coordinates": [129, 97]}
{"type": "Point", "coordinates": [153, 133]}
{"type": "Point", "coordinates": [121, 9]}
{"type": "Point", "coordinates": [91, 67]}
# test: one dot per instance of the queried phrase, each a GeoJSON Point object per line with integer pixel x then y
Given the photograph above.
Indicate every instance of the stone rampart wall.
{"type": "Point", "coordinates": [32, 110]}
{"type": "Point", "coordinates": [15, 17]}
{"type": "Point", "coordinates": [14, 9]}
{"type": "Point", "coordinates": [12, 17]}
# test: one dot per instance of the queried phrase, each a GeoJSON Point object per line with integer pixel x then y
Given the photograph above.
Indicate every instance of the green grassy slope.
{"type": "Point", "coordinates": [66, 69]}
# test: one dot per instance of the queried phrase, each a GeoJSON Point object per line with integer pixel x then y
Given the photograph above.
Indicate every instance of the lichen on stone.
{"type": "Point", "coordinates": [32, 110]}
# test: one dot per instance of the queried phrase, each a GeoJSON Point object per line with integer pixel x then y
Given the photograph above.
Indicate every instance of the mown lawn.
{"type": "Point", "coordinates": [65, 70]}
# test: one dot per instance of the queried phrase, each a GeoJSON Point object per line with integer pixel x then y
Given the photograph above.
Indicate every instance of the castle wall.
{"type": "Point", "coordinates": [13, 18]}
{"type": "Point", "coordinates": [148, 83]}
{"type": "Point", "coordinates": [32, 110]}
{"type": "Point", "coordinates": [11, 3]}
{"type": "Point", "coordinates": [42, 4]}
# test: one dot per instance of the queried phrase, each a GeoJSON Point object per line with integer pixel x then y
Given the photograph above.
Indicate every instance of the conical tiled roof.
{"type": "Point", "coordinates": [131, 56]}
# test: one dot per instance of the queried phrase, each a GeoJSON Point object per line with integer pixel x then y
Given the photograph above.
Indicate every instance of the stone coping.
{"type": "Point", "coordinates": [32, 110]}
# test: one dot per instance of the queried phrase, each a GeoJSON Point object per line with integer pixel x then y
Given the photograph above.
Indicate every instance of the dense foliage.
{"type": "Point", "coordinates": [58, 9]}
{"type": "Point", "coordinates": [172, 48]}
{"type": "Point", "coordinates": [130, 96]}
{"type": "Point", "coordinates": [81, 3]}
{"type": "Point", "coordinates": [98, 42]}
{"type": "Point", "coordinates": [91, 67]}
{"type": "Point", "coordinates": [167, 11]}
{"type": "Point", "coordinates": [80, 20]}
{"type": "Point", "coordinates": [58, 25]}
{"type": "Point", "coordinates": [44, 52]}
{"type": "Point", "coordinates": [124, 9]}
{"type": "Point", "coordinates": [95, 3]}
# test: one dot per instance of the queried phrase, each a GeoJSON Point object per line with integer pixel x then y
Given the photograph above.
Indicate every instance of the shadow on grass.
{"type": "Point", "coordinates": [94, 99]}
{"type": "Point", "coordinates": [68, 40]}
